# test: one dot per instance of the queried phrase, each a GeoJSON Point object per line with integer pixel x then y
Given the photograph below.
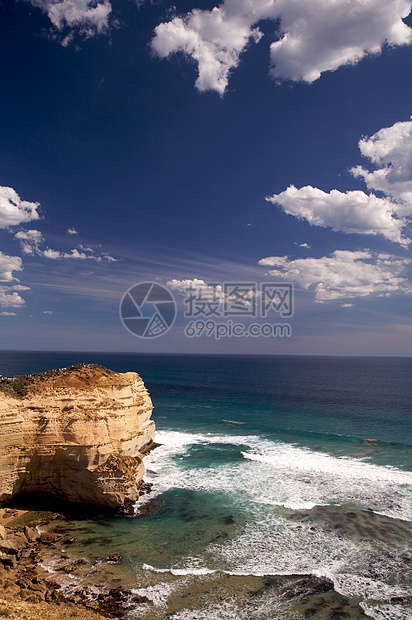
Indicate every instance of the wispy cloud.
{"type": "Point", "coordinates": [30, 241]}
{"type": "Point", "coordinates": [82, 254]}
{"type": "Point", "coordinates": [309, 37]}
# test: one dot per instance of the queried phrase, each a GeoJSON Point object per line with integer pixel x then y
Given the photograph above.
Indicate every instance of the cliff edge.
{"type": "Point", "coordinates": [76, 434]}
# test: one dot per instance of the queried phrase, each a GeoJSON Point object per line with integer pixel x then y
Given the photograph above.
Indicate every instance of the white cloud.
{"type": "Point", "coordinates": [313, 37]}
{"type": "Point", "coordinates": [323, 35]}
{"type": "Point", "coordinates": [305, 245]}
{"type": "Point", "coordinates": [47, 312]}
{"type": "Point", "coordinates": [213, 38]}
{"type": "Point", "coordinates": [9, 295]}
{"type": "Point", "coordinates": [13, 210]}
{"type": "Point", "coordinates": [19, 287]}
{"type": "Point", "coordinates": [350, 212]}
{"type": "Point", "coordinates": [8, 264]}
{"type": "Point", "coordinates": [85, 248]}
{"type": "Point", "coordinates": [7, 313]}
{"type": "Point", "coordinates": [84, 254]}
{"type": "Point", "coordinates": [212, 292]}
{"type": "Point", "coordinates": [344, 274]}
{"type": "Point", "coordinates": [109, 258]}
{"type": "Point", "coordinates": [10, 300]}
{"type": "Point", "coordinates": [87, 17]}
{"type": "Point", "coordinates": [390, 151]}
{"type": "Point", "coordinates": [30, 241]}
{"type": "Point", "coordinates": [52, 253]}
{"type": "Point", "coordinates": [72, 254]}
{"type": "Point", "coordinates": [72, 231]}
{"type": "Point", "coordinates": [206, 290]}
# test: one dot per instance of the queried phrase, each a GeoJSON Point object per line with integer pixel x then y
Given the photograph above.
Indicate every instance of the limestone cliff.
{"type": "Point", "coordinates": [74, 433]}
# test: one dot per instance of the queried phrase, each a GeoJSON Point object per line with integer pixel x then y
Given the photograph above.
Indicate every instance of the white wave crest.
{"type": "Point", "coordinates": [281, 474]}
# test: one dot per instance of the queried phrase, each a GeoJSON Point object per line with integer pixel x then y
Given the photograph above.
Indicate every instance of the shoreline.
{"type": "Point", "coordinates": [26, 588]}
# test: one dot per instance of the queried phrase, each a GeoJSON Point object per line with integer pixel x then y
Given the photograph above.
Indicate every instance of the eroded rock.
{"type": "Point", "coordinates": [75, 434]}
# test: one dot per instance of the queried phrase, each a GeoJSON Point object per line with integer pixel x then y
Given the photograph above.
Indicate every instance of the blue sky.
{"type": "Point", "coordinates": [241, 141]}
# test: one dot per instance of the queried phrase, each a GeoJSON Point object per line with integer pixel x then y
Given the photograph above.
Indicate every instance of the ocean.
{"type": "Point", "coordinates": [269, 468]}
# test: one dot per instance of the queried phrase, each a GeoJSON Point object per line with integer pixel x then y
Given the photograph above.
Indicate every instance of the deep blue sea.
{"type": "Point", "coordinates": [269, 467]}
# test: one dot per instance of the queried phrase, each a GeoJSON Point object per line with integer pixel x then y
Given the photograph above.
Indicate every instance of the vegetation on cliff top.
{"type": "Point", "coordinates": [80, 375]}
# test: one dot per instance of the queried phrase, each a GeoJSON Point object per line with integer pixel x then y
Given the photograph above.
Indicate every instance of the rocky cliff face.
{"type": "Point", "coordinates": [76, 434]}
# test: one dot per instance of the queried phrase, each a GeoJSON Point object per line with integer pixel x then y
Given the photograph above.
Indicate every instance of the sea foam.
{"type": "Point", "coordinates": [281, 474]}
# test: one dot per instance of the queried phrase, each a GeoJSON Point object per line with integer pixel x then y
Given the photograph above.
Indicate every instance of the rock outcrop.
{"type": "Point", "coordinates": [76, 434]}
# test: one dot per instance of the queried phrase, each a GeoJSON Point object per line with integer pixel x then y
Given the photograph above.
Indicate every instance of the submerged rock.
{"type": "Point", "coordinates": [308, 586]}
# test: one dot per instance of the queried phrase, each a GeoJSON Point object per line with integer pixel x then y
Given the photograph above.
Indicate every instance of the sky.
{"type": "Point", "coordinates": [235, 152]}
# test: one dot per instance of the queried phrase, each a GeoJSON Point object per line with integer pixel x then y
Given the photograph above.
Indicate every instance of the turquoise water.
{"type": "Point", "coordinates": [269, 466]}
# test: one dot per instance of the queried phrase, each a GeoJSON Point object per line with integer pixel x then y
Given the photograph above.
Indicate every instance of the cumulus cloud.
{"type": "Point", "coordinates": [344, 274]}
{"type": "Point", "coordinates": [350, 212]}
{"type": "Point", "coordinates": [85, 17]}
{"type": "Point", "coordinates": [10, 299]}
{"type": "Point", "coordinates": [390, 151]}
{"type": "Point", "coordinates": [214, 39]}
{"type": "Point", "coordinates": [72, 231]}
{"type": "Point", "coordinates": [312, 37]}
{"type": "Point", "coordinates": [7, 313]}
{"type": "Point", "coordinates": [13, 210]}
{"type": "Point", "coordinates": [323, 35]}
{"type": "Point", "coordinates": [9, 296]}
{"type": "Point", "coordinates": [8, 264]}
